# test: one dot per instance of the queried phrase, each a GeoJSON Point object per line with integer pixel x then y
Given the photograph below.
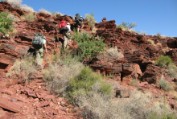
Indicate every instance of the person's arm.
{"type": "Point", "coordinates": [45, 47]}
{"type": "Point", "coordinates": [44, 44]}
{"type": "Point", "coordinates": [69, 27]}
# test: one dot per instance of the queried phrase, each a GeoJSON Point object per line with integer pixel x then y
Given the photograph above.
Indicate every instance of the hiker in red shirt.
{"type": "Point", "coordinates": [64, 29]}
{"type": "Point", "coordinates": [62, 26]}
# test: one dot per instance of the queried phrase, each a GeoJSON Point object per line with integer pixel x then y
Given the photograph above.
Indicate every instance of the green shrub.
{"type": "Point", "coordinates": [91, 20]}
{"type": "Point", "coordinates": [89, 46]}
{"type": "Point", "coordinates": [164, 61]}
{"type": "Point", "coordinates": [5, 23]}
{"type": "Point", "coordinates": [87, 82]}
{"type": "Point", "coordinates": [126, 26]}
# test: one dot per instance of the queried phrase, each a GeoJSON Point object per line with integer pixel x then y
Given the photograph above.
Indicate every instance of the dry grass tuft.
{"type": "Point", "coordinates": [23, 69]}
{"type": "Point", "coordinates": [27, 8]}
{"type": "Point", "coordinates": [44, 11]}
{"type": "Point", "coordinates": [58, 74]}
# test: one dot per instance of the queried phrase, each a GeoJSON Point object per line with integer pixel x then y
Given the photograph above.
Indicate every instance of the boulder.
{"type": "Point", "coordinates": [152, 74]}
{"type": "Point", "coordinates": [172, 43]}
{"type": "Point", "coordinates": [3, 114]}
{"type": "Point", "coordinates": [133, 70]}
{"type": "Point", "coordinates": [8, 105]}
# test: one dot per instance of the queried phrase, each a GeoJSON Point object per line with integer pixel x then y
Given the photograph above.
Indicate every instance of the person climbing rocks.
{"type": "Point", "coordinates": [65, 30]}
{"type": "Point", "coordinates": [39, 45]}
{"type": "Point", "coordinates": [68, 35]}
{"type": "Point", "coordinates": [78, 22]}
{"type": "Point", "coordinates": [104, 19]}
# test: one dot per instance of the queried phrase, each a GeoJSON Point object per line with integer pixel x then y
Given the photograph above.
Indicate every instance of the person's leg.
{"type": "Point", "coordinates": [80, 26]}
{"type": "Point", "coordinates": [68, 38]}
{"type": "Point", "coordinates": [62, 46]}
{"type": "Point", "coordinates": [65, 42]}
{"type": "Point", "coordinates": [77, 26]}
{"type": "Point", "coordinates": [39, 57]}
{"type": "Point", "coordinates": [78, 29]}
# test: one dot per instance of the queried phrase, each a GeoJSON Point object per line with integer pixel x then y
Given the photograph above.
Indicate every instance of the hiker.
{"type": "Point", "coordinates": [78, 21]}
{"type": "Point", "coordinates": [104, 19]}
{"type": "Point", "coordinates": [68, 34]}
{"type": "Point", "coordinates": [65, 30]}
{"type": "Point", "coordinates": [39, 45]}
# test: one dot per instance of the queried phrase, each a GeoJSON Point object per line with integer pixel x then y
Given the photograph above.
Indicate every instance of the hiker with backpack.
{"type": "Point", "coordinates": [39, 45]}
{"type": "Point", "coordinates": [78, 21]}
{"type": "Point", "coordinates": [65, 30]}
{"type": "Point", "coordinates": [104, 19]}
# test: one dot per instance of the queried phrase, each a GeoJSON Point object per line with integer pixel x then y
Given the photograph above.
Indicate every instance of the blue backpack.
{"type": "Point", "coordinates": [37, 42]}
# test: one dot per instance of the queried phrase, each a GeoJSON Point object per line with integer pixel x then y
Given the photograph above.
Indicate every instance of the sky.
{"type": "Point", "coordinates": [151, 16]}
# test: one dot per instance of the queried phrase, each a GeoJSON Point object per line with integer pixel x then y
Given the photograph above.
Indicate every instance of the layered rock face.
{"type": "Point", "coordinates": [139, 53]}
{"type": "Point", "coordinates": [129, 55]}
{"type": "Point", "coordinates": [134, 50]}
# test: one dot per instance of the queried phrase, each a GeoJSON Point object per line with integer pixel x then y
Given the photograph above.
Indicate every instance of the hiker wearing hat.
{"type": "Point", "coordinates": [78, 22]}
{"type": "Point", "coordinates": [104, 19]}
{"type": "Point", "coordinates": [39, 45]}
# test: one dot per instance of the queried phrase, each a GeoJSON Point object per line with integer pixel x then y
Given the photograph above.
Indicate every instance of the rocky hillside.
{"type": "Point", "coordinates": [131, 56]}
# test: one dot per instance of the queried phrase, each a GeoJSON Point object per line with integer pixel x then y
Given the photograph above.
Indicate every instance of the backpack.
{"type": "Point", "coordinates": [78, 18]}
{"type": "Point", "coordinates": [62, 24]}
{"type": "Point", "coordinates": [63, 30]}
{"type": "Point", "coordinates": [37, 42]}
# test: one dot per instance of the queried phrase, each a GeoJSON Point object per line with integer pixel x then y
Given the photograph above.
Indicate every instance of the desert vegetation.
{"type": "Point", "coordinates": [23, 69]}
{"type": "Point", "coordinates": [126, 26]}
{"type": "Point", "coordinates": [44, 11]}
{"type": "Point", "coordinates": [103, 82]}
{"type": "Point", "coordinates": [164, 61]}
{"type": "Point", "coordinates": [14, 3]}
{"type": "Point", "coordinates": [91, 20]}
{"type": "Point", "coordinates": [5, 23]}
{"type": "Point", "coordinates": [89, 46]}
{"type": "Point", "coordinates": [29, 17]}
